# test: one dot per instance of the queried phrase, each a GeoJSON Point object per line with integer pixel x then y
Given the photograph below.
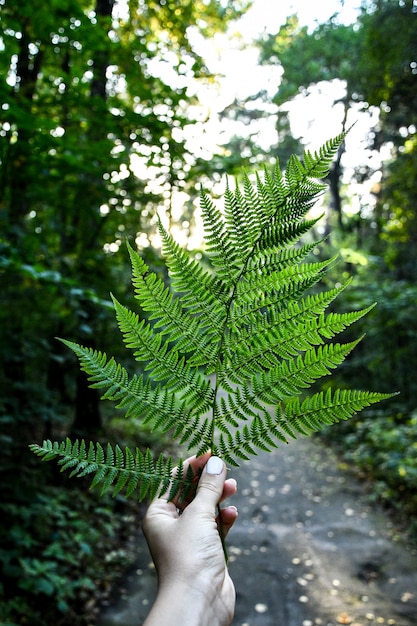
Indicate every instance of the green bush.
{"type": "Point", "coordinates": [384, 449]}
{"type": "Point", "coordinates": [51, 551]}
{"type": "Point", "coordinates": [387, 449]}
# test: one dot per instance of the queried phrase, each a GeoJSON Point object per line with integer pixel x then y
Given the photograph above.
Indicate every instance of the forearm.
{"type": "Point", "coordinates": [181, 605]}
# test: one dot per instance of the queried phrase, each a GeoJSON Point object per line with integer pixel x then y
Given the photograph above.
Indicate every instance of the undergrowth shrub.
{"type": "Point", "coordinates": [58, 553]}
{"type": "Point", "coordinates": [384, 449]}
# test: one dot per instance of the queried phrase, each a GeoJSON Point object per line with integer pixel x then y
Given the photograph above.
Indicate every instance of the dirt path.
{"type": "Point", "coordinates": [307, 550]}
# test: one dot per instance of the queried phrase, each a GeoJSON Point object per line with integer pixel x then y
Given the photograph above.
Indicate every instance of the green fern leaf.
{"type": "Point", "coordinates": [318, 163]}
{"type": "Point", "coordinates": [118, 470]}
{"type": "Point", "coordinates": [324, 409]}
{"type": "Point", "coordinates": [230, 345]}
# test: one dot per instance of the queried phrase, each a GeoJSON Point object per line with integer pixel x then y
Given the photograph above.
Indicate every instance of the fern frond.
{"type": "Point", "coordinates": [168, 312]}
{"type": "Point", "coordinates": [271, 191]}
{"type": "Point", "coordinates": [287, 233]}
{"type": "Point", "coordinates": [223, 255]}
{"type": "Point", "coordinates": [324, 408]}
{"type": "Point", "coordinates": [277, 384]}
{"type": "Point", "coordinates": [263, 434]}
{"type": "Point", "coordinates": [231, 343]}
{"type": "Point", "coordinates": [200, 290]}
{"type": "Point", "coordinates": [274, 280]}
{"type": "Point", "coordinates": [136, 396]}
{"type": "Point", "coordinates": [258, 213]}
{"type": "Point", "coordinates": [317, 164]}
{"type": "Point", "coordinates": [166, 364]}
{"type": "Point", "coordinates": [279, 258]}
{"type": "Point", "coordinates": [271, 291]}
{"type": "Point", "coordinates": [291, 377]}
{"type": "Point", "coordinates": [283, 336]}
{"type": "Point", "coordinates": [116, 470]}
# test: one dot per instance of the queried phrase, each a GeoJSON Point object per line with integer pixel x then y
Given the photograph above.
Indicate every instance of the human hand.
{"type": "Point", "coordinates": [194, 586]}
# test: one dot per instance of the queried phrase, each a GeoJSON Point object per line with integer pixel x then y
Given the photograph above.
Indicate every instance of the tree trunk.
{"type": "Point", "coordinates": [87, 419]}
{"type": "Point", "coordinates": [87, 422]}
{"type": "Point", "coordinates": [17, 179]}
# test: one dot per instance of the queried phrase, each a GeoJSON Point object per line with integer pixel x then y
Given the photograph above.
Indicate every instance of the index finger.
{"type": "Point", "coordinates": [196, 463]}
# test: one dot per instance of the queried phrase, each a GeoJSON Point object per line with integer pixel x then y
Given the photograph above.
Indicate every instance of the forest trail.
{"type": "Point", "coordinates": [307, 549]}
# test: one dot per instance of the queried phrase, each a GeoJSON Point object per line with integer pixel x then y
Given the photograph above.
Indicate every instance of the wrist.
{"type": "Point", "coordinates": [180, 603]}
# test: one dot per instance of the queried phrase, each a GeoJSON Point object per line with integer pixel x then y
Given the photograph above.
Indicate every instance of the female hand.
{"type": "Point", "coordinates": [194, 586]}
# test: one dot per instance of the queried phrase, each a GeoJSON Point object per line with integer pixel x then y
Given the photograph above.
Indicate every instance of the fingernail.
{"type": "Point", "coordinates": [214, 465]}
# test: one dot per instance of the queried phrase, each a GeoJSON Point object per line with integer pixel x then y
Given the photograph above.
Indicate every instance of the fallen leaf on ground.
{"type": "Point", "coordinates": [344, 618]}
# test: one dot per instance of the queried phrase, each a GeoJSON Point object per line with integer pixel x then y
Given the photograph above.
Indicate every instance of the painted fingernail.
{"type": "Point", "coordinates": [214, 465]}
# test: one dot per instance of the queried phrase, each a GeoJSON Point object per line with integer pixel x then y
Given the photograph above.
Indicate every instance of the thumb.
{"type": "Point", "coordinates": [211, 483]}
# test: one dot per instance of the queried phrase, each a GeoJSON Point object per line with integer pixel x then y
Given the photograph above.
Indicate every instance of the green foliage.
{"type": "Point", "coordinates": [387, 73]}
{"type": "Point", "coordinates": [50, 554]}
{"type": "Point", "coordinates": [131, 471]}
{"type": "Point", "coordinates": [368, 72]}
{"type": "Point", "coordinates": [360, 54]}
{"type": "Point", "coordinates": [83, 109]}
{"type": "Point", "coordinates": [374, 73]}
{"type": "Point", "coordinates": [228, 350]}
{"type": "Point", "coordinates": [382, 443]}
{"type": "Point", "coordinates": [308, 58]}
{"type": "Point", "coordinates": [391, 331]}
{"type": "Point", "coordinates": [384, 450]}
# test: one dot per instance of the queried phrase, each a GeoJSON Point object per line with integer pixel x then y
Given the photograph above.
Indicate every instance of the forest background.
{"type": "Point", "coordinates": [103, 124]}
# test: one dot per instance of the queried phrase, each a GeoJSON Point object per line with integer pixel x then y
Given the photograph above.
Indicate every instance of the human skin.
{"type": "Point", "coordinates": [194, 586]}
